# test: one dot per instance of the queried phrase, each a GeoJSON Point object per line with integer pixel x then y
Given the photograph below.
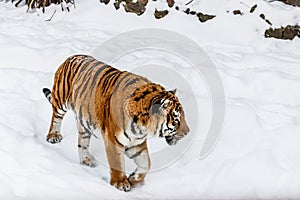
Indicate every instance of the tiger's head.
{"type": "Point", "coordinates": [171, 124]}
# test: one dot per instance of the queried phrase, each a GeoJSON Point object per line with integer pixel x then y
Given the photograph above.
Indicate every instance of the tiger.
{"type": "Point", "coordinates": [121, 107]}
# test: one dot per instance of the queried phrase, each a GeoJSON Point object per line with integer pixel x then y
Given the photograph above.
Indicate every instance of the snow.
{"type": "Point", "coordinates": [257, 155]}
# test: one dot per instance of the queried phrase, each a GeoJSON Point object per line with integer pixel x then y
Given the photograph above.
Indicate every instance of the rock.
{"type": "Point", "coordinates": [253, 8]}
{"type": "Point", "coordinates": [104, 1]}
{"type": "Point", "coordinates": [275, 33]}
{"type": "Point", "coordinates": [286, 33]}
{"type": "Point", "coordinates": [268, 22]}
{"type": "Point", "coordinates": [170, 3]}
{"type": "Point", "coordinates": [204, 17]}
{"type": "Point", "coordinates": [291, 2]}
{"type": "Point", "coordinates": [160, 14]}
{"type": "Point", "coordinates": [187, 11]}
{"type": "Point", "coordinates": [289, 33]}
{"type": "Point", "coordinates": [237, 12]}
{"type": "Point", "coordinates": [193, 13]}
{"type": "Point", "coordinates": [264, 18]}
{"type": "Point", "coordinates": [135, 7]}
{"type": "Point", "coordinates": [144, 2]}
{"type": "Point", "coordinates": [117, 4]}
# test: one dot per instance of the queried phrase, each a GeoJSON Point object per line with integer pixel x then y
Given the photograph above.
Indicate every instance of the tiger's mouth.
{"type": "Point", "coordinates": [171, 140]}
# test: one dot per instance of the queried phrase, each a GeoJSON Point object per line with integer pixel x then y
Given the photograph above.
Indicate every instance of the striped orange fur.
{"type": "Point", "coordinates": [122, 107]}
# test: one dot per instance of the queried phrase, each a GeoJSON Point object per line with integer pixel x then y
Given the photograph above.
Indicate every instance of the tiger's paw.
{"type": "Point", "coordinates": [88, 162]}
{"type": "Point", "coordinates": [122, 185]}
{"type": "Point", "coordinates": [54, 138]}
{"type": "Point", "coordinates": [135, 180]}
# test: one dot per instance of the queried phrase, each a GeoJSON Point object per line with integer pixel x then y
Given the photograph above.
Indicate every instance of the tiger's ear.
{"type": "Point", "coordinates": [173, 91]}
{"type": "Point", "coordinates": [159, 106]}
{"type": "Point", "coordinates": [155, 108]}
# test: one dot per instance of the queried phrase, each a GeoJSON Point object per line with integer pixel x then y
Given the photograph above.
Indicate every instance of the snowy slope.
{"type": "Point", "coordinates": [257, 155]}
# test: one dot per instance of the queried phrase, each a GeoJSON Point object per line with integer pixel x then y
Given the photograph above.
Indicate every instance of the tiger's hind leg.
{"type": "Point", "coordinates": [54, 135]}
{"type": "Point", "coordinates": [83, 147]}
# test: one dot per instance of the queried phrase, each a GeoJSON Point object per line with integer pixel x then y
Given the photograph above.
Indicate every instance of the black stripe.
{"type": "Point", "coordinates": [81, 122]}
{"type": "Point", "coordinates": [108, 80]}
{"type": "Point", "coordinates": [56, 116]}
{"type": "Point", "coordinates": [62, 108]}
{"type": "Point", "coordinates": [109, 98]}
{"type": "Point", "coordinates": [168, 120]}
{"type": "Point", "coordinates": [66, 82]}
{"type": "Point", "coordinates": [87, 136]}
{"type": "Point", "coordinates": [135, 119]}
{"type": "Point", "coordinates": [131, 82]}
{"type": "Point", "coordinates": [137, 153]}
{"type": "Point", "coordinates": [86, 78]}
{"type": "Point", "coordinates": [116, 78]}
{"type": "Point", "coordinates": [120, 81]}
{"type": "Point", "coordinates": [86, 64]}
{"type": "Point", "coordinates": [57, 87]}
{"type": "Point", "coordinates": [127, 136]}
{"type": "Point", "coordinates": [112, 81]}
{"type": "Point", "coordinates": [62, 82]}
{"type": "Point", "coordinates": [57, 102]}
{"type": "Point", "coordinates": [69, 77]}
{"type": "Point", "coordinates": [118, 141]}
{"type": "Point", "coordinates": [177, 106]}
{"type": "Point", "coordinates": [145, 93]}
{"type": "Point", "coordinates": [105, 76]}
{"type": "Point", "coordinates": [161, 134]}
{"type": "Point", "coordinates": [104, 116]}
{"type": "Point", "coordinates": [132, 128]}
{"type": "Point", "coordinates": [139, 138]}
{"type": "Point", "coordinates": [89, 120]}
{"type": "Point", "coordinates": [82, 61]}
{"type": "Point", "coordinates": [81, 132]}
{"type": "Point", "coordinates": [95, 77]}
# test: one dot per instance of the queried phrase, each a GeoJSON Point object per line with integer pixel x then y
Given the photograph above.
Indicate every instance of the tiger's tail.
{"type": "Point", "coordinates": [47, 93]}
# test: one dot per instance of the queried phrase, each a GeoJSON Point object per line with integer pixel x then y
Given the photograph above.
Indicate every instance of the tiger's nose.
{"type": "Point", "coordinates": [187, 130]}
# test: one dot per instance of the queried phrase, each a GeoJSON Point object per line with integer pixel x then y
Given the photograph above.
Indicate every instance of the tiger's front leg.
{"type": "Point", "coordinates": [115, 157]}
{"type": "Point", "coordinates": [140, 155]}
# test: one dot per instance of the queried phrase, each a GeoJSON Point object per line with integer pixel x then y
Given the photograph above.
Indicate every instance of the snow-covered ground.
{"type": "Point", "coordinates": [258, 154]}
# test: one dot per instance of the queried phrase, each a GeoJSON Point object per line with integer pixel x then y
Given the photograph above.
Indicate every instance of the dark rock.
{"type": "Point", "coordinates": [287, 33]}
{"type": "Point", "coordinates": [176, 7]}
{"type": "Point", "coordinates": [291, 2]}
{"type": "Point", "coordinates": [187, 11]}
{"type": "Point", "coordinates": [117, 4]}
{"type": "Point", "coordinates": [193, 13]}
{"type": "Point", "coordinates": [144, 2]}
{"type": "Point", "coordinates": [204, 17]}
{"type": "Point", "coordinates": [262, 16]}
{"type": "Point", "coordinates": [253, 8]}
{"type": "Point", "coordinates": [237, 12]}
{"type": "Point", "coordinates": [268, 22]}
{"type": "Point", "coordinates": [170, 3]}
{"type": "Point", "coordinates": [137, 7]}
{"type": "Point", "coordinates": [104, 1]}
{"type": "Point", "coordinates": [275, 33]}
{"type": "Point", "coordinates": [160, 14]}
